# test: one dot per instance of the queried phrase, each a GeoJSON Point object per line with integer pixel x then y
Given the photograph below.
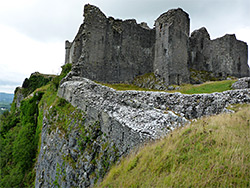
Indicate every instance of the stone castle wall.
{"type": "Point", "coordinates": [224, 56]}
{"type": "Point", "coordinates": [171, 47]}
{"type": "Point", "coordinates": [111, 50]}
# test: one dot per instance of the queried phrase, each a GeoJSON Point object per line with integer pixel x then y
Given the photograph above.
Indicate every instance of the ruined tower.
{"type": "Point", "coordinates": [171, 47]}
{"type": "Point", "coordinates": [223, 57]}
{"type": "Point", "coordinates": [113, 51]}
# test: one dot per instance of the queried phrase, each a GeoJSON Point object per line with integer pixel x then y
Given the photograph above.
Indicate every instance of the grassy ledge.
{"type": "Point", "coordinates": [211, 152]}
{"type": "Point", "coordinates": [208, 87]}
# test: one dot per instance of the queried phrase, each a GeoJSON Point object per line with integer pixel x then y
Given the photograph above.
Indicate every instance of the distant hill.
{"type": "Point", "coordinates": [5, 101]}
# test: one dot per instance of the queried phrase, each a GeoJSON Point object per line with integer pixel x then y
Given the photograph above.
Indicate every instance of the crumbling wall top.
{"type": "Point", "coordinates": [171, 15]}
{"type": "Point", "coordinates": [200, 33]}
{"type": "Point", "coordinates": [92, 12]}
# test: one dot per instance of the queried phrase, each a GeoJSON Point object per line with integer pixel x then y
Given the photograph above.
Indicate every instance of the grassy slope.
{"type": "Point", "coordinates": [212, 152]}
{"type": "Point", "coordinates": [20, 130]}
{"type": "Point", "coordinates": [208, 87]}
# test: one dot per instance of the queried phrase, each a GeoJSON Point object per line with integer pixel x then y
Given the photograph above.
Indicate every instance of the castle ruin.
{"type": "Point", "coordinates": [113, 51]}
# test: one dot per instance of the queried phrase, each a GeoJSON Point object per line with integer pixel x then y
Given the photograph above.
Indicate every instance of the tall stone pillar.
{"type": "Point", "coordinates": [171, 47]}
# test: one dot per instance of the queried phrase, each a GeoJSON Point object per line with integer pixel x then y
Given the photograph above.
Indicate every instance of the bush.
{"type": "Point", "coordinates": [65, 70]}
{"type": "Point", "coordinates": [35, 81]}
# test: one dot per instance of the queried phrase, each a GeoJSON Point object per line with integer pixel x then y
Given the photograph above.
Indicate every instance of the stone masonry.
{"type": "Point", "coordinates": [225, 56]}
{"type": "Point", "coordinates": [171, 47]}
{"type": "Point", "coordinates": [110, 50]}
{"type": "Point", "coordinates": [113, 51]}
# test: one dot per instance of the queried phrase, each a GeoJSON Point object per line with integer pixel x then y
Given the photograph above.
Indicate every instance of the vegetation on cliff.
{"type": "Point", "coordinates": [211, 152]}
{"type": "Point", "coordinates": [20, 131]}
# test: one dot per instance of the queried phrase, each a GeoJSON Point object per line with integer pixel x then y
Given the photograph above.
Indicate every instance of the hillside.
{"type": "Point", "coordinates": [20, 129]}
{"type": "Point", "coordinates": [211, 152]}
{"type": "Point", "coordinates": [49, 141]}
{"type": "Point", "coordinates": [124, 111]}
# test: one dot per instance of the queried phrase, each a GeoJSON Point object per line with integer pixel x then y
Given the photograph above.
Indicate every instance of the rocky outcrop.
{"type": "Point", "coordinates": [19, 96]}
{"type": "Point", "coordinates": [77, 156]}
{"type": "Point", "coordinates": [124, 119]}
{"type": "Point", "coordinates": [86, 94]}
{"type": "Point", "coordinates": [242, 83]}
{"type": "Point", "coordinates": [107, 125]}
{"type": "Point", "coordinates": [79, 146]}
{"type": "Point", "coordinates": [29, 85]}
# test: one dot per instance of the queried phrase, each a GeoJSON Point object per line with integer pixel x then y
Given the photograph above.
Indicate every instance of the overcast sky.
{"type": "Point", "coordinates": [33, 32]}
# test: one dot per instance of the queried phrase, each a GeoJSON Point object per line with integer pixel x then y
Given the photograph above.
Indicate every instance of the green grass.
{"type": "Point", "coordinates": [212, 152]}
{"type": "Point", "coordinates": [208, 87]}
{"type": "Point", "coordinates": [20, 128]}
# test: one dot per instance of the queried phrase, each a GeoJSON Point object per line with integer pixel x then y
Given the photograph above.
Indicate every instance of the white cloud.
{"type": "Point", "coordinates": [43, 19]}
{"type": "Point", "coordinates": [32, 32]}
{"type": "Point", "coordinates": [21, 55]}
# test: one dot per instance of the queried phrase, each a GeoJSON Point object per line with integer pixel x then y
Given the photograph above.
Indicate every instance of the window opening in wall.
{"type": "Point", "coordinates": [239, 65]}
{"type": "Point", "coordinates": [202, 44]}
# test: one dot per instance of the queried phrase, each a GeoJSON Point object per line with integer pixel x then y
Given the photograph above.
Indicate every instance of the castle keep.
{"type": "Point", "coordinates": [113, 51]}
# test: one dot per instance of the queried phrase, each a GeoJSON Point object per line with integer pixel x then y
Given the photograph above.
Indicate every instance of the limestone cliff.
{"type": "Point", "coordinates": [71, 135]}
{"type": "Point", "coordinates": [106, 124]}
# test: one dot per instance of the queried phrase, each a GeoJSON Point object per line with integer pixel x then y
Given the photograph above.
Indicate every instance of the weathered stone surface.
{"type": "Point", "coordinates": [19, 96]}
{"type": "Point", "coordinates": [110, 50]}
{"type": "Point", "coordinates": [223, 57]}
{"type": "Point", "coordinates": [85, 93]}
{"type": "Point", "coordinates": [242, 83]}
{"type": "Point", "coordinates": [126, 120]}
{"type": "Point", "coordinates": [76, 157]}
{"type": "Point", "coordinates": [171, 47]}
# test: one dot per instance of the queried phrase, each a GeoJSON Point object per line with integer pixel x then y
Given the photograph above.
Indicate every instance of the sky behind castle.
{"type": "Point", "coordinates": [33, 32]}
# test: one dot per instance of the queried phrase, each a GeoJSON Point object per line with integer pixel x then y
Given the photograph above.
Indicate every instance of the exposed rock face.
{"type": "Point", "coordinates": [225, 56]}
{"type": "Point", "coordinates": [171, 47]}
{"type": "Point", "coordinates": [125, 106]}
{"type": "Point", "coordinates": [242, 83]}
{"type": "Point", "coordinates": [110, 124]}
{"type": "Point", "coordinates": [76, 157]}
{"type": "Point", "coordinates": [19, 96]}
{"type": "Point", "coordinates": [124, 119]}
{"type": "Point", "coordinates": [111, 50]}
